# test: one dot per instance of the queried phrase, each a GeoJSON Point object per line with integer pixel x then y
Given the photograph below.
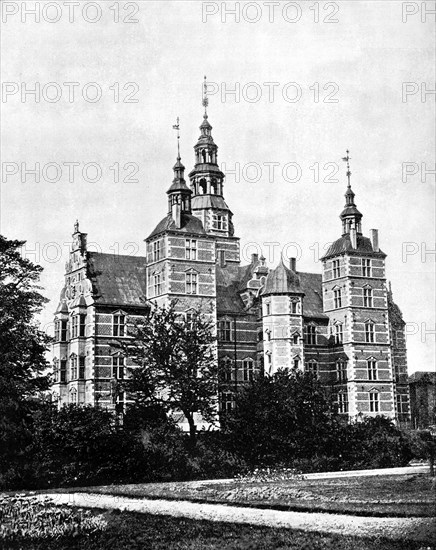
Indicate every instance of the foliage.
{"type": "Point", "coordinates": [22, 349]}
{"type": "Point", "coordinates": [176, 360]}
{"type": "Point", "coordinates": [24, 518]}
{"type": "Point", "coordinates": [279, 418]}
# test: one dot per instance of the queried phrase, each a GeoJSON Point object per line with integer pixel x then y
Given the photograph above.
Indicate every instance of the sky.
{"type": "Point", "coordinates": [291, 85]}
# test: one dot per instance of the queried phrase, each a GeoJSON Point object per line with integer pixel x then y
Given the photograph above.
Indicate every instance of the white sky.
{"type": "Point", "coordinates": [368, 55]}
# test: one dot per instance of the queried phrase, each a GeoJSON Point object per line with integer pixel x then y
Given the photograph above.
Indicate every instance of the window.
{"type": "Point", "coordinates": [56, 370]}
{"type": "Point", "coordinates": [367, 297]}
{"type": "Point", "coordinates": [82, 325]}
{"type": "Point", "coordinates": [295, 338]}
{"type": "Point", "coordinates": [336, 269]}
{"type": "Point", "coordinates": [339, 335]}
{"type": "Point", "coordinates": [374, 401]}
{"type": "Point", "coordinates": [372, 369]}
{"type": "Point", "coordinates": [226, 401]}
{"type": "Point", "coordinates": [190, 316]}
{"type": "Point", "coordinates": [341, 371]}
{"type": "Point", "coordinates": [73, 365]}
{"type": "Point", "coordinates": [119, 325]}
{"type": "Point", "coordinates": [269, 360]}
{"type": "Point", "coordinates": [64, 331]}
{"type": "Point", "coordinates": [337, 297]}
{"type": "Point", "coordinates": [157, 250]}
{"type": "Point", "coordinates": [63, 370]}
{"type": "Point", "coordinates": [296, 362]}
{"type": "Point", "coordinates": [267, 308]}
{"type": "Point", "coordinates": [73, 396]}
{"type": "Point", "coordinates": [219, 222]}
{"type": "Point", "coordinates": [402, 404]}
{"type": "Point", "coordinates": [118, 367]}
{"type": "Point", "coordinates": [342, 402]}
{"type": "Point", "coordinates": [247, 370]}
{"type": "Point", "coordinates": [82, 368]}
{"type": "Point", "coordinates": [225, 330]}
{"type": "Point", "coordinates": [366, 267]}
{"type": "Point", "coordinates": [191, 249]}
{"type": "Point", "coordinates": [157, 284]}
{"type": "Point", "coordinates": [312, 366]}
{"type": "Point", "coordinates": [294, 307]}
{"type": "Point", "coordinates": [75, 325]}
{"type": "Point", "coordinates": [227, 368]}
{"type": "Point", "coordinates": [191, 283]}
{"type": "Point", "coordinates": [369, 331]}
{"type": "Point", "coordinates": [57, 331]}
{"type": "Point", "coordinates": [311, 335]}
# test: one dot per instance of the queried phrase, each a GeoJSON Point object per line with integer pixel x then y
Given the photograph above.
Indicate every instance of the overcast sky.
{"type": "Point", "coordinates": [332, 86]}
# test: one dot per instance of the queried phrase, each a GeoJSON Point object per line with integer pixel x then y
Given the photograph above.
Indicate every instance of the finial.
{"type": "Point", "coordinates": [76, 226]}
{"type": "Point", "coordinates": [205, 101]}
{"type": "Point", "coordinates": [347, 160]}
{"type": "Point", "coordinates": [177, 127]}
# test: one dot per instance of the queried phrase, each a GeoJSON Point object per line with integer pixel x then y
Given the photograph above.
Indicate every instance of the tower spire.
{"type": "Point", "coordinates": [347, 160]}
{"type": "Point", "coordinates": [177, 127]}
{"type": "Point", "coordinates": [205, 100]}
{"type": "Point", "coordinates": [350, 216]}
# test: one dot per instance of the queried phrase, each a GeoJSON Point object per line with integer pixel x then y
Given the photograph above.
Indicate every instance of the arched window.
{"type": "Point", "coordinates": [213, 186]}
{"type": "Point", "coordinates": [203, 154]}
{"type": "Point", "coordinates": [202, 187]}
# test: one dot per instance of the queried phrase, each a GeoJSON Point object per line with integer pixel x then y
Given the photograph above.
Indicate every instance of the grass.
{"type": "Point", "coordinates": [399, 496]}
{"type": "Point", "coordinates": [132, 531]}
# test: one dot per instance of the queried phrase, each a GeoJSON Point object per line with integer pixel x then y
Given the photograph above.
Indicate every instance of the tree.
{"type": "Point", "coordinates": [22, 350]}
{"type": "Point", "coordinates": [176, 364]}
{"type": "Point", "coordinates": [280, 418]}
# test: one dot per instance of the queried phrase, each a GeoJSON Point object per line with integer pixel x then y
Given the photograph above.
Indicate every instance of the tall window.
{"type": "Point", "coordinates": [226, 401]}
{"type": "Point", "coordinates": [372, 369]}
{"type": "Point", "coordinates": [247, 370]}
{"type": "Point", "coordinates": [56, 370]}
{"type": "Point", "coordinates": [342, 402]}
{"type": "Point", "coordinates": [294, 307]}
{"type": "Point", "coordinates": [157, 250]}
{"type": "Point", "coordinates": [341, 371]}
{"type": "Point", "coordinates": [73, 396]}
{"type": "Point", "coordinates": [75, 325]}
{"type": "Point", "coordinates": [402, 404]}
{"type": "Point", "coordinates": [73, 365]}
{"type": "Point", "coordinates": [57, 331]}
{"type": "Point", "coordinates": [157, 284]}
{"type": "Point", "coordinates": [337, 297]}
{"type": "Point", "coordinates": [374, 401]}
{"type": "Point", "coordinates": [191, 283]}
{"type": "Point", "coordinates": [369, 331]}
{"type": "Point", "coordinates": [119, 324]}
{"type": "Point", "coordinates": [366, 267]}
{"type": "Point", "coordinates": [296, 362]}
{"type": "Point", "coordinates": [339, 333]}
{"type": "Point", "coordinates": [82, 324]}
{"type": "Point", "coordinates": [312, 366]}
{"type": "Point", "coordinates": [311, 335]}
{"type": "Point", "coordinates": [267, 308]}
{"type": "Point", "coordinates": [336, 269]}
{"type": "Point", "coordinates": [367, 297]}
{"type": "Point", "coordinates": [82, 368]}
{"type": "Point", "coordinates": [118, 367]}
{"type": "Point", "coordinates": [295, 338]}
{"type": "Point", "coordinates": [190, 249]}
{"type": "Point", "coordinates": [63, 370]}
{"type": "Point", "coordinates": [225, 330]}
{"type": "Point", "coordinates": [219, 222]}
{"type": "Point", "coordinates": [227, 370]}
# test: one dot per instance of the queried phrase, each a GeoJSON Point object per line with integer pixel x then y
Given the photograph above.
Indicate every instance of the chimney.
{"type": "Point", "coordinates": [293, 264]}
{"type": "Point", "coordinates": [177, 215]}
{"type": "Point", "coordinates": [374, 240]}
{"type": "Point", "coordinates": [254, 258]}
{"type": "Point", "coordinates": [353, 237]}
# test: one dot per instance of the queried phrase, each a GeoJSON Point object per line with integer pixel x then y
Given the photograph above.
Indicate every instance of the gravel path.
{"type": "Point", "coordinates": [417, 529]}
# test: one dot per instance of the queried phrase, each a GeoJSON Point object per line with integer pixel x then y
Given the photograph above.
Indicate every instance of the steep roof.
{"type": "Point", "coordinates": [190, 224]}
{"type": "Point", "coordinates": [282, 280]}
{"type": "Point", "coordinates": [117, 280]}
{"type": "Point", "coordinates": [209, 201]}
{"type": "Point", "coordinates": [311, 285]}
{"type": "Point", "coordinates": [343, 245]}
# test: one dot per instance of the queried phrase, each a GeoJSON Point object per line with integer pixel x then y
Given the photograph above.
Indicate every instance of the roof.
{"type": "Point", "coordinates": [209, 201]}
{"type": "Point", "coordinates": [343, 245]}
{"type": "Point", "coordinates": [311, 285]}
{"type": "Point", "coordinates": [423, 376]}
{"type": "Point", "coordinates": [282, 280]}
{"type": "Point", "coordinates": [116, 279]}
{"type": "Point", "coordinates": [190, 224]}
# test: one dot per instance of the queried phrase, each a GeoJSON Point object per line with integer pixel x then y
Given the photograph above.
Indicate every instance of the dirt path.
{"type": "Point", "coordinates": [417, 529]}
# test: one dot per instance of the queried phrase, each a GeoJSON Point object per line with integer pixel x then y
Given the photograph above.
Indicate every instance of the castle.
{"type": "Point", "coordinates": [342, 324]}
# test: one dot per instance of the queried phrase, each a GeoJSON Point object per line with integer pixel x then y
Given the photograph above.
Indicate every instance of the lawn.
{"type": "Point", "coordinates": [400, 495]}
{"type": "Point", "coordinates": [131, 531]}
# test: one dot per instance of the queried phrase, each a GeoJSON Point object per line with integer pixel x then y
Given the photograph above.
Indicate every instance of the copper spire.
{"type": "Point", "coordinates": [177, 127]}
{"type": "Point", "coordinates": [205, 100]}
{"type": "Point", "coordinates": [347, 160]}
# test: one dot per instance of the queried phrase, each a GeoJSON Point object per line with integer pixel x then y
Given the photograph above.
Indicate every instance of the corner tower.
{"type": "Point", "coordinates": [356, 302]}
{"type": "Point", "coordinates": [208, 204]}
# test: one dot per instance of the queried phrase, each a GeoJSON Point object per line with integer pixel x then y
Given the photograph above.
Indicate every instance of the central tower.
{"type": "Point", "coordinates": [208, 204]}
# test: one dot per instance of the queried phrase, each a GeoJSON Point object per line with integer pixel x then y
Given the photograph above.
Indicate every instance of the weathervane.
{"type": "Point", "coordinates": [347, 160]}
{"type": "Point", "coordinates": [205, 101]}
{"type": "Point", "coordinates": [177, 127]}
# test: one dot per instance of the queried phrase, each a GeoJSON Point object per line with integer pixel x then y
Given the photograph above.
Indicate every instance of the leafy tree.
{"type": "Point", "coordinates": [280, 418]}
{"type": "Point", "coordinates": [176, 365]}
{"type": "Point", "coordinates": [22, 351]}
